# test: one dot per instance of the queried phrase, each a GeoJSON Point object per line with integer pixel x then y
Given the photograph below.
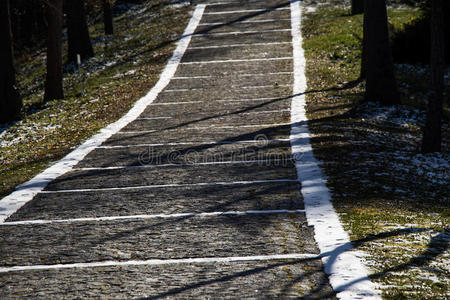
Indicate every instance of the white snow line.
{"type": "Point", "coordinates": [241, 32]}
{"type": "Point", "coordinates": [234, 60]}
{"type": "Point", "coordinates": [141, 187]}
{"type": "Point", "coordinates": [347, 275]}
{"type": "Point", "coordinates": [233, 86]}
{"type": "Point", "coordinates": [157, 262]}
{"type": "Point", "coordinates": [237, 75]}
{"type": "Point", "coordinates": [156, 216]}
{"type": "Point", "coordinates": [26, 191]}
{"type": "Point", "coordinates": [212, 126]}
{"type": "Point", "coordinates": [244, 11]}
{"type": "Point", "coordinates": [154, 118]}
{"type": "Point", "coordinates": [237, 45]}
{"type": "Point", "coordinates": [209, 163]}
{"type": "Point", "coordinates": [195, 143]}
{"type": "Point", "coordinates": [246, 21]}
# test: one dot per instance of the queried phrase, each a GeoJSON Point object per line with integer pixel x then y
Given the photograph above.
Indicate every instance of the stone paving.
{"type": "Point", "coordinates": [215, 140]}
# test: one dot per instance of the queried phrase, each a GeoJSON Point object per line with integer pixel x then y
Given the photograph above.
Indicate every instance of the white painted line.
{"type": "Point", "coordinates": [195, 143]}
{"type": "Point", "coordinates": [238, 45]}
{"type": "Point", "coordinates": [141, 187]}
{"type": "Point", "coordinates": [242, 32]}
{"type": "Point", "coordinates": [154, 118]}
{"type": "Point", "coordinates": [208, 163]}
{"type": "Point", "coordinates": [158, 262]}
{"type": "Point", "coordinates": [347, 275]}
{"type": "Point", "coordinates": [234, 60]}
{"type": "Point", "coordinates": [223, 116]}
{"type": "Point", "coordinates": [220, 100]}
{"type": "Point", "coordinates": [264, 86]}
{"type": "Point", "coordinates": [212, 126]}
{"type": "Point", "coordinates": [244, 11]}
{"type": "Point", "coordinates": [26, 191]}
{"type": "Point", "coordinates": [231, 75]}
{"type": "Point", "coordinates": [240, 22]}
{"type": "Point", "coordinates": [156, 216]}
{"type": "Point", "coordinates": [232, 86]}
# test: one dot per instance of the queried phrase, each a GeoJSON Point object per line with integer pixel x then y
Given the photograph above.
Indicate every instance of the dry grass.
{"type": "Point", "coordinates": [125, 67]}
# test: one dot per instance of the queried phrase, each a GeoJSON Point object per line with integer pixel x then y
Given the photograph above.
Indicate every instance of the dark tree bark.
{"type": "Point", "coordinates": [381, 85]}
{"type": "Point", "coordinates": [357, 7]}
{"type": "Point", "coordinates": [108, 17]}
{"type": "Point", "coordinates": [54, 77]}
{"type": "Point", "coordinates": [77, 31]}
{"type": "Point", "coordinates": [431, 141]}
{"type": "Point", "coordinates": [10, 101]}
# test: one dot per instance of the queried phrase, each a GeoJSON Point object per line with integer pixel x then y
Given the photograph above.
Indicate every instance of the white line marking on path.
{"type": "Point", "coordinates": [347, 275]}
{"type": "Point", "coordinates": [233, 86]}
{"type": "Point", "coordinates": [195, 143]}
{"type": "Point", "coordinates": [234, 60]}
{"type": "Point", "coordinates": [170, 185]}
{"type": "Point", "coordinates": [154, 118]}
{"type": "Point", "coordinates": [211, 126]}
{"type": "Point", "coordinates": [157, 262]}
{"type": "Point", "coordinates": [238, 45]}
{"type": "Point", "coordinates": [224, 116]}
{"type": "Point", "coordinates": [222, 100]}
{"type": "Point", "coordinates": [145, 166]}
{"type": "Point", "coordinates": [244, 11]}
{"type": "Point", "coordinates": [241, 32]}
{"type": "Point", "coordinates": [240, 22]}
{"type": "Point", "coordinates": [26, 191]}
{"type": "Point", "coordinates": [157, 216]}
{"type": "Point", "coordinates": [237, 75]}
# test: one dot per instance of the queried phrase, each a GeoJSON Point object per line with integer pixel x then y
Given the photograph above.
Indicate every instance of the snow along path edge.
{"type": "Point", "coordinates": [26, 191]}
{"type": "Point", "coordinates": [347, 275]}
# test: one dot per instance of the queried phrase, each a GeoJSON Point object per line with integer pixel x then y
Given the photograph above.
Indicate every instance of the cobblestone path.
{"type": "Point", "coordinates": [196, 198]}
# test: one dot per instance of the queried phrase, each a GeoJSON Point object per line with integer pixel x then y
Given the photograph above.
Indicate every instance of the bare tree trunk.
{"type": "Point", "coordinates": [357, 7]}
{"type": "Point", "coordinates": [381, 85]}
{"type": "Point", "coordinates": [10, 101]}
{"type": "Point", "coordinates": [107, 17]}
{"type": "Point", "coordinates": [431, 141]}
{"type": "Point", "coordinates": [77, 31]}
{"type": "Point", "coordinates": [54, 78]}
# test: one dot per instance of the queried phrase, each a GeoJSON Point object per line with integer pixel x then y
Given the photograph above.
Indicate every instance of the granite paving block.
{"type": "Point", "coordinates": [273, 279]}
{"type": "Point", "coordinates": [200, 135]}
{"type": "Point", "coordinates": [165, 238]}
{"type": "Point", "coordinates": [189, 153]}
{"type": "Point", "coordinates": [173, 174]}
{"type": "Point", "coordinates": [166, 200]}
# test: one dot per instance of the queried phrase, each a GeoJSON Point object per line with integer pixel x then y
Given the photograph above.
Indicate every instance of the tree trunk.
{"type": "Point", "coordinates": [10, 101]}
{"type": "Point", "coordinates": [107, 17]}
{"type": "Point", "coordinates": [77, 31]}
{"type": "Point", "coordinates": [357, 7]}
{"type": "Point", "coordinates": [381, 85]}
{"type": "Point", "coordinates": [431, 141]}
{"type": "Point", "coordinates": [54, 78]}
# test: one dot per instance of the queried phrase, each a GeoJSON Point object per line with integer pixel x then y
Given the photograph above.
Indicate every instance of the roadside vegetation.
{"type": "Point", "coordinates": [392, 200]}
{"type": "Point", "coordinates": [125, 66]}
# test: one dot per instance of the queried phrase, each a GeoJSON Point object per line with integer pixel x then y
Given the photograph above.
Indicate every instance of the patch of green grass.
{"type": "Point", "coordinates": [393, 209]}
{"type": "Point", "coordinates": [98, 95]}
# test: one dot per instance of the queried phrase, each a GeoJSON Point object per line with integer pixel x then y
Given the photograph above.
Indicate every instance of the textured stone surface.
{"type": "Point", "coordinates": [172, 200]}
{"type": "Point", "coordinates": [277, 279]}
{"type": "Point", "coordinates": [215, 116]}
{"type": "Point", "coordinates": [199, 135]}
{"type": "Point", "coordinates": [189, 153]}
{"type": "Point", "coordinates": [165, 238]}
